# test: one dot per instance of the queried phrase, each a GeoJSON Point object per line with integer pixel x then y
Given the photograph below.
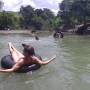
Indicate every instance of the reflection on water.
{"type": "Point", "coordinates": [69, 71]}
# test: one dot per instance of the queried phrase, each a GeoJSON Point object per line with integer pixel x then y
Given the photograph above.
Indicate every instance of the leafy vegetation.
{"type": "Point", "coordinates": [71, 13]}
{"type": "Point", "coordinates": [74, 11]}
{"type": "Point", "coordinates": [27, 18]}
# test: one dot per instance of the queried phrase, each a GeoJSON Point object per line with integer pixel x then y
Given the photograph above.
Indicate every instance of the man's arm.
{"type": "Point", "coordinates": [41, 62]}
{"type": "Point", "coordinates": [14, 68]}
{"type": "Point", "coordinates": [8, 70]}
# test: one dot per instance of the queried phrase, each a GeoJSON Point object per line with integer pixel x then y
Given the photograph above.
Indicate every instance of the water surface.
{"type": "Point", "coordinates": [69, 71]}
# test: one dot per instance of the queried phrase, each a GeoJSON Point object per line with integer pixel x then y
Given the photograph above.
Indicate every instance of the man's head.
{"type": "Point", "coordinates": [28, 50]}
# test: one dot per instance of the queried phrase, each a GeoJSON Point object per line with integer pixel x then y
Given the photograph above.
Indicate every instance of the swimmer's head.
{"type": "Point", "coordinates": [28, 50]}
{"type": "Point", "coordinates": [36, 37]}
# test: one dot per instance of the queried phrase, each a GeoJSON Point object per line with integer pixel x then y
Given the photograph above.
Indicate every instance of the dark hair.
{"type": "Point", "coordinates": [36, 37]}
{"type": "Point", "coordinates": [28, 49]}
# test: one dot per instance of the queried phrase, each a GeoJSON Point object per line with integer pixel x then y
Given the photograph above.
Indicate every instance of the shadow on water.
{"type": "Point", "coordinates": [69, 71]}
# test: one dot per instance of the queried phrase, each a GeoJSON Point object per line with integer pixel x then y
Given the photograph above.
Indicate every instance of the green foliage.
{"type": "Point", "coordinates": [74, 11]}
{"type": "Point", "coordinates": [56, 22]}
{"type": "Point", "coordinates": [71, 12]}
{"type": "Point", "coordinates": [29, 18]}
{"type": "Point", "coordinates": [27, 13]}
{"type": "Point", "coordinates": [36, 18]}
{"type": "Point", "coordinates": [37, 22]}
{"type": "Point", "coordinates": [8, 20]}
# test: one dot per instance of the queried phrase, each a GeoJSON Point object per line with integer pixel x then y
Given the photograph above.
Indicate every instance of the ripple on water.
{"type": "Point", "coordinates": [86, 77]}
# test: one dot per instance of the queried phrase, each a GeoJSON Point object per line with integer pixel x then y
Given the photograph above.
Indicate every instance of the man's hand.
{"type": "Point", "coordinates": [53, 57]}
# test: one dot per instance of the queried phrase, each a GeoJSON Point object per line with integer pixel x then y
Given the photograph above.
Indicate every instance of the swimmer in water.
{"type": "Point", "coordinates": [35, 35]}
{"type": "Point", "coordinates": [28, 57]}
{"type": "Point", "coordinates": [58, 35]}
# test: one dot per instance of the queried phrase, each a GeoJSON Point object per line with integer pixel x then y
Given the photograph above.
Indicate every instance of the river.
{"type": "Point", "coordinates": [69, 71]}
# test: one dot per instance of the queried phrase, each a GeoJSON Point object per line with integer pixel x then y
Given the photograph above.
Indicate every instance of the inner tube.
{"type": "Point", "coordinates": [7, 63]}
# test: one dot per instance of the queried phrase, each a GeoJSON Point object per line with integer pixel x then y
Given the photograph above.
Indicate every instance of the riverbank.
{"type": "Point", "coordinates": [15, 32]}
{"type": "Point", "coordinates": [5, 32]}
{"type": "Point", "coordinates": [19, 31]}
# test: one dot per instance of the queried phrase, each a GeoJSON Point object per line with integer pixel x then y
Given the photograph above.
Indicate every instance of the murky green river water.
{"type": "Point", "coordinates": [69, 71]}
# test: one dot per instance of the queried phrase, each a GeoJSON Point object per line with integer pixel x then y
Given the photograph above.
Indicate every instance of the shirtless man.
{"type": "Point", "coordinates": [28, 57]}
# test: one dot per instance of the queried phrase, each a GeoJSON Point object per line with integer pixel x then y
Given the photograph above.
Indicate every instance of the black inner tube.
{"type": "Point", "coordinates": [7, 63]}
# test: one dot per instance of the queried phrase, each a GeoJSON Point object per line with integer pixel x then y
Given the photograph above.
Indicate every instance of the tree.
{"type": "Point", "coordinates": [47, 14]}
{"type": "Point", "coordinates": [39, 12]}
{"type": "Point", "coordinates": [8, 20]}
{"type": "Point", "coordinates": [74, 11]}
{"type": "Point", "coordinates": [36, 18]}
{"type": "Point", "coordinates": [80, 9]}
{"type": "Point", "coordinates": [27, 13]}
{"type": "Point", "coordinates": [37, 23]}
{"type": "Point", "coordinates": [64, 12]}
